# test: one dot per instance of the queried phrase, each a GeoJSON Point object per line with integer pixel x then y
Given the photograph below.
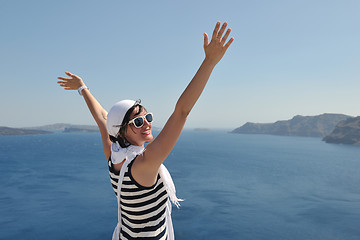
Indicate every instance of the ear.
{"type": "Point", "coordinates": [121, 132]}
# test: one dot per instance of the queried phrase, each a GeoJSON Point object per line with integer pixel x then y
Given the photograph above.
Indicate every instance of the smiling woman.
{"type": "Point", "coordinates": [141, 182]}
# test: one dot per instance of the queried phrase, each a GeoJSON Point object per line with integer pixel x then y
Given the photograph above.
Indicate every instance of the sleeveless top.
{"type": "Point", "coordinates": [143, 209]}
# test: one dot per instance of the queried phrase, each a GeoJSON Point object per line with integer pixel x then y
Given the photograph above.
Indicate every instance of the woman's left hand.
{"type": "Point", "coordinates": [72, 83]}
{"type": "Point", "coordinates": [217, 47]}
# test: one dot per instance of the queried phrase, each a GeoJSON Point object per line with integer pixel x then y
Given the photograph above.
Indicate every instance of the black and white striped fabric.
{"type": "Point", "coordinates": [143, 209]}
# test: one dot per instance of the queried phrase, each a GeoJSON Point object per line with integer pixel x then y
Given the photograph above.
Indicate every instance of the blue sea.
{"type": "Point", "coordinates": [235, 186]}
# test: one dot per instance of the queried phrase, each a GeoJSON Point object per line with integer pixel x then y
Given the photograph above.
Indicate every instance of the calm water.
{"type": "Point", "coordinates": [236, 187]}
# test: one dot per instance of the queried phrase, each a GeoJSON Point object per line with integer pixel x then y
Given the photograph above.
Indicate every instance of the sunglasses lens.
{"type": "Point", "coordinates": [138, 122]}
{"type": "Point", "coordinates": [149, 118]}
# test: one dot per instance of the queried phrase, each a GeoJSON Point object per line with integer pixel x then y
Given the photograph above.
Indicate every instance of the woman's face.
{"type": "Point", "coordinates": [138, 136]}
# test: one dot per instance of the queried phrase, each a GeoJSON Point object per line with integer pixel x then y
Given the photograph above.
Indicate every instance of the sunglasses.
{"type": "Point", "coordinates": [139, 121]}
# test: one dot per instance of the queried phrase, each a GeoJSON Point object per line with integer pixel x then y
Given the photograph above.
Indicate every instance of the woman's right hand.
{"type": "Point", "coordinates": [72, 83]}
{"type": "Point", "coordinates": [217, 47]}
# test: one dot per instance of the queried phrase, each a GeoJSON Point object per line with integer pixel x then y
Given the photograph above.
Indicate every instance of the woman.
{"type": "Point", "coordinates": [143, 199]}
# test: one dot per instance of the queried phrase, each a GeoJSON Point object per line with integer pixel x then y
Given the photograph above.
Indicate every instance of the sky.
{"type": "Point", "coordinates": [298, 57]}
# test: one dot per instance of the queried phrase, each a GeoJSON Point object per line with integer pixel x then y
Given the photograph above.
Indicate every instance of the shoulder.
{"type": "Point", "coordinates": [115, 167]}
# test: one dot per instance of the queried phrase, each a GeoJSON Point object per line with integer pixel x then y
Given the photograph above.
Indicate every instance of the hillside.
{"type": "Point", "coordinates": [64, 126]}
{"type": "Point", "coordinates": [6, 131]}
{"type": "Point", "coordinates": [345, 132]}
{"type": "Point", "coordinates": [80, 130]}
{"type": "Point", "coordinates": [306, 126]}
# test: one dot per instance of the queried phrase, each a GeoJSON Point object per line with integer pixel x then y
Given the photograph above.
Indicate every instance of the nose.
{"type": "Point", "coordinates": [146, 124]}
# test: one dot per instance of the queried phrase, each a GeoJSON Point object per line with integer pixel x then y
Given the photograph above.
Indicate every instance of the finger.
{"type": "Point", "coordinates": [216, 29]}
{"type": "Point", "coordinates": [62, 82]}
{"type": "Point", "coordinates": [229, 43]}
{"type": "Point", "coordinates": [226, 35]}
{"type": "Point", "coordinates": [62, 78]}
{"type": "Point", "coordinates": [222, 29]}
{"type": "Point", "coordinates": [69, 74]}
{"type": "Point", "coordinates": [206, 39]}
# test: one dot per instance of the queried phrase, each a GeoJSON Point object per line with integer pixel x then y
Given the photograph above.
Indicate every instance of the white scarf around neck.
{"type": "Point", "coordinates": [118, 154]}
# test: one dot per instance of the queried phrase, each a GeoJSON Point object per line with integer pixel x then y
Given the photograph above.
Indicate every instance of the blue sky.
{"type": "Point", "coordinates": [288, 58]}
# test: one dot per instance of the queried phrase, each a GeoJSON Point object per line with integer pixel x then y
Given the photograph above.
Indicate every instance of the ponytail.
{"type": "Point", "coordinates": [123, 142]}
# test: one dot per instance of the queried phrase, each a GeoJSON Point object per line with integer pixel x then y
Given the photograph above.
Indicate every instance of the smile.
{"type": "Point", "coordinates": [147, 132]}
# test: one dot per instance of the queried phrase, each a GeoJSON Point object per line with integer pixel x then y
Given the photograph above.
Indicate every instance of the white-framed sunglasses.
{"type": "Point", "coordinates": [139, 121]}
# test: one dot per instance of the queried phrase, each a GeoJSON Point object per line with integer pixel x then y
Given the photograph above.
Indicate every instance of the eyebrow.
{"type": "Point", "coordinates": [138, 113]}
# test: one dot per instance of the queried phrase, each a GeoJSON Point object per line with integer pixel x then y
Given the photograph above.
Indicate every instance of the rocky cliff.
{"type": "Point", "coordinates": [64, 127]}
{"type": "Point", "coordinates": [307, 126]}
{"type": "Point", "coordinates": [345, 132]}
{"type": "Point", "coordinates": [6, 131]}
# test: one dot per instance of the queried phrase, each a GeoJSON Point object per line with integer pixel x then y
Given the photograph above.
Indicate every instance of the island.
{"type": "Point", "coordinates": [345, 132]}
{"type": "Point", "coordinates": [305, 126]}
{"type": "Point", "coordinates": [202, 129]}
{"type": "Point", "coordinates": [66, 127]}
{"type": "Point", "coordinates": [79, 130]}
{"type": "Point", "coordinates": [48, 129]}
{"type": "Point", "coordinates": [7, 131]}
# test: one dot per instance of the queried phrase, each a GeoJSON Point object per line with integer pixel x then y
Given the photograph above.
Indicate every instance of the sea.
{"type": "Point", "coordinates": [235, 186]}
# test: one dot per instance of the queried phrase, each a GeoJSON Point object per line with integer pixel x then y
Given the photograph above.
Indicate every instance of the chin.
{"type": "Point", "coordinates": [149, 138]}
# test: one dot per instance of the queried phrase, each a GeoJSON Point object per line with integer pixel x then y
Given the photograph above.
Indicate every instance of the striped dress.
{"type": "Point", "coordinates": [142, 208]}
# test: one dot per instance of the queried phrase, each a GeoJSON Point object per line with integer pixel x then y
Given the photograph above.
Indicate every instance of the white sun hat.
{"type": "Point", "coordinates": [116, 116]}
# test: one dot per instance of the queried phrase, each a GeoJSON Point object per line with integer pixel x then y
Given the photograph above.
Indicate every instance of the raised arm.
{"type": "Point", "coordinates": [97, 111]}
{"type": "Point", "coordinates": [213, 54]}
{"type": "Point", "coordinates": [159, 149]}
